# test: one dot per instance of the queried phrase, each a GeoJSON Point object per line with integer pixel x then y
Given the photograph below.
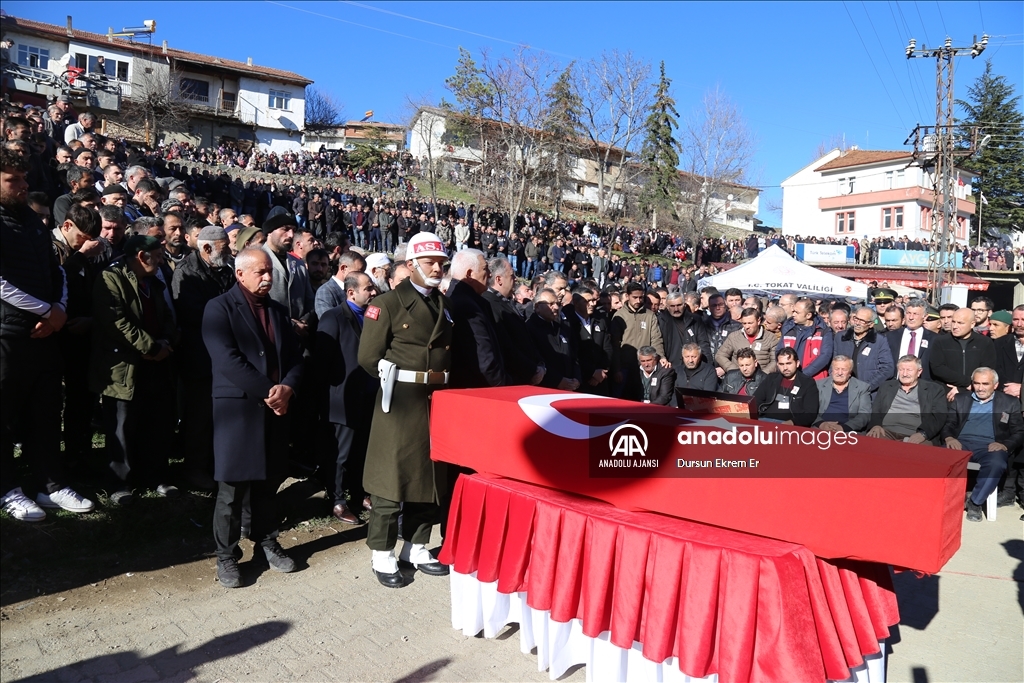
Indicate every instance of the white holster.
{"type": "Point", "coordinates": [388, 373]}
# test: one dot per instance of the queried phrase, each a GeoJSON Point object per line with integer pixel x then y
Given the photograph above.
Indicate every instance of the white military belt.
{"type": "Point", "coordinates": [422, 377]}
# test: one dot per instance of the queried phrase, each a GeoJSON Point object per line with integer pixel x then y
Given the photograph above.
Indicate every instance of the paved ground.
{"type": "Point", "coordinates": [332, 622]}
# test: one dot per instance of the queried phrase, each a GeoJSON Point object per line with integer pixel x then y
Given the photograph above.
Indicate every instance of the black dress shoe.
{"type": "Point", "coordinates": [1006, 498]}
{"type": "Point", "coordinates": [390, 580]}
{"type": "Point", "coordinates": [433, 568]}
{"type": "Point", "coordinates": [974, 512]}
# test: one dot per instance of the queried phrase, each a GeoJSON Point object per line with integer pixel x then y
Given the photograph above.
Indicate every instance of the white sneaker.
{"type": "Point", "coordinates": [416, 554]}
{"type": "Point", "coordinates": [384, 562]}
{"type": "Point", "coordinates": [67, 499]}
{"type": "Point", "coordinates": [21, 507]}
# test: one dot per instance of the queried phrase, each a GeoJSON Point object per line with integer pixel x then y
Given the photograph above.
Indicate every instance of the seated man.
{"type": "Point", "coordinates": [658, 382]}
{"type": "Point", "coordinates": [695, 373]}
{"type": "Point", "coordinates": [909, 408]}
{"type": "Point", "coordinates": [988, 423]}
{"type": "Point", "coordinates": [844, 402]}
{"type": "Point", "coordinates": [745, 380]}
{"type": "Point", "coordinates": [787, 395]}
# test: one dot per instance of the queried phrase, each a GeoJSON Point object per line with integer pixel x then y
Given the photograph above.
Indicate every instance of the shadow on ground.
{"type": "Point", "coordinates": [171, 663]}
{"type": "Point", "coordinates": [69, 551]}
{"type": "Point", "coordinates": [918, 598]}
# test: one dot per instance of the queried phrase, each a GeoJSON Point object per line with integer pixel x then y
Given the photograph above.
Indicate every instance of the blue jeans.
{"type": "Point", "coordinates": [560, 267]}
{"type": "Point", "coordinates": [513, 261]}
{"type": "Point", "coordinates": [993, 465]}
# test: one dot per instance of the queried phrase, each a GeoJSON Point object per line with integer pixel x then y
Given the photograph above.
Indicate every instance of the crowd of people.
{"type": "Point", "coordinates": [244, 325]}
{"type": "Point", "coordinates": [988, 256]}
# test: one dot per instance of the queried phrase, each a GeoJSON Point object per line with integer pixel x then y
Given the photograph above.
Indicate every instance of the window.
{"type": "Point", "coordinates": [279, 99]}
{"type": "Point", "coordinates": [900, 178]}
{"type": "Point", "coordinates": [892, 218]}
{"type": "Point", "coordinates": [888, 183]}
{"type": "Point", "coordinates": [34, 57]}
{"type": "Point", "coordinates": [846, 185]}
{"type": "Point", "coordinates": [845, 222]}
{"type": "Point", "coordinates": [227, 100]}
{"type": "Point", "coordinates": [194, 90]}
{"type": "Point", "coordinates": [82, 61]}
{"type": "Point", "coordinates": [112, 68]}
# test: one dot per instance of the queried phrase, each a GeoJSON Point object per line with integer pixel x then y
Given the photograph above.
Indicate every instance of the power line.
{"type": "Point", "coordinates": [889, 61]}
{"type": "Point", "coordinates": [941, 18]}
{"type": "Point", "coordinates": [452, 28]}
{"type": "Point", "coordinates": [981, 15]}
{"type": "Point", "coordinates": [872, 61]}
{"type": "Point", "coordinates": [916, 73]}
{"type": "Point", "coordinates": [370, 28]}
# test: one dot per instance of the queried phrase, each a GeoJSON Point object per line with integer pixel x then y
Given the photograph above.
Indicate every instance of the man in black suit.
{"type": "Point", "coordinates": [350, 394]}
{"type": "Point", "coordinates": [257, 365]}
{"type": "Point", "coordinates": [522, 360]}
{"type": "Point", "coordinates": [593, 340]}
{"type": "Point", "coordinates": [658, 382]}
{"type": "Point", "coordinates": [553, 338]}
{"type": "Point", "coordinates": [476, 351]}
{"type": "Point", "coordinates": [908, 408]}
{"type": "Point", "coordinates": [788, 395]}
{"type": "Point", "coordinates": [988, 423]}
{"type": "Point", "coordinates": [913, 339]}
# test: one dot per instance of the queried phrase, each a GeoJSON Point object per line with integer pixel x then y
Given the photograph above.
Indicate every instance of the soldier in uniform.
{"type": "Point", "coordinates": [406, 341]}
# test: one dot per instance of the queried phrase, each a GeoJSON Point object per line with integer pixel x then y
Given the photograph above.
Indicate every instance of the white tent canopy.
{"type": "Point", "coordinates": [776, 272]}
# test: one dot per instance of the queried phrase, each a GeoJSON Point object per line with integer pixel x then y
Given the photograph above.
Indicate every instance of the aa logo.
{"type": "Point", "coordinates": [628, 441]}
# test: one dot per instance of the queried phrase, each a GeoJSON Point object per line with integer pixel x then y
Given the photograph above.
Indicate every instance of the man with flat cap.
{"type": "Point", "coordinates": [204, 274]}
{"type": "Point", "coordinates": [406, 342]}
{"type": "Point", "coordinates": [133, 338]}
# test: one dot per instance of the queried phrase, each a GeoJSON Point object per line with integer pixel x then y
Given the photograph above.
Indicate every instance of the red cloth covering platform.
{"type": "Point", "coordinates": [717, 601]}
{"type": "Point", "coordinates": [862, 499]}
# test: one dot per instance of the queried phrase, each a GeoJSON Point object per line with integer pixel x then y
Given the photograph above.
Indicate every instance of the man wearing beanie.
{"type": "Point", "coordinates": [291, 287]}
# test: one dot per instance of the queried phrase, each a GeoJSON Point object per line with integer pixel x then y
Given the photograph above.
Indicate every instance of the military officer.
{"type": "Point", "coordinates": [406, 342]}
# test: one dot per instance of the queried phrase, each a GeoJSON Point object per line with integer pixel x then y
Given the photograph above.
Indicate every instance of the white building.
{"type": "Point", "coordinates": [861, 193]}
{"type": "Point", "coordinates": [226, 99]}
{"type": "Point", "coordinates": [735, 205]}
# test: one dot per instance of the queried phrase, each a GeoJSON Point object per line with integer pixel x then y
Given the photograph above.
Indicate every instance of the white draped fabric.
{"type": "Point", "coordinates": [478, 606]}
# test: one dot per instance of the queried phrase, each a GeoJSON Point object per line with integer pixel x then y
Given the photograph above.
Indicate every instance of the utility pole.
{"type": "Point", "coordinates": [936, 148]}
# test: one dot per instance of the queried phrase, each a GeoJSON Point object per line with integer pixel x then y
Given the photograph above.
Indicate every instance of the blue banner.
{"type": "Point", "coordinates": [912, 259]}
{"type": "Point", "coordinates": [825, 253]}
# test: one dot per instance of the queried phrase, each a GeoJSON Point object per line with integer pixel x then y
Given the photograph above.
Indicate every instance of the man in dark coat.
{"type": "Point", "coordinates": [678, 327]}
{"type": "Point", "coordinates": [657, 381]}
{"type": "Point", "coordinates": [522, 360]}
{"type": "Point", "coordinates": [407, 337]}
{"type": "Point", "coordinates": [257, 365]}
{"type": "Point", "coordinates": [956, 355]}
{"type": "Point", "coordinates": [788, 395]}
{"type": "Point", "coordinates": [476, 350]}
{"type": "Point", "coordinates": [593, 341]}
{"type": "Point", "coordinates": [1010, 356]}
{"type": "Point", "coordinates": [696, 373]}
{"type": "Point", "coordinates": [204, 274]}
{"type": "Point", "coordinates": [869, 350]}
{"type": "Point", "coordinates": [350, 394]}
{"type": "Point", "coordinates": [553, 338]}
{"type": "Point", "coordinates": [908, 408]}
{"type": "Point", "coordinates": [745, 380]}
{"type": "Point", "coordinates": [988, 423]}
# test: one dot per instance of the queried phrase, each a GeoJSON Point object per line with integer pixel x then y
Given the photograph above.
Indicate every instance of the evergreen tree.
{"type": "Point", "coordinates": [563, 134]}
{"type": "Point", "coordinates": [995, 110]}
{"type": "Point", "coordinates": [659, 155]}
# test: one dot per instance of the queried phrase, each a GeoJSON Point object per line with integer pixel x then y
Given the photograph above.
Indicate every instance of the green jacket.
{"type": "Point", "coordinates": [119, 340]}
{"type": "Point", "coordinates": [404, 328]}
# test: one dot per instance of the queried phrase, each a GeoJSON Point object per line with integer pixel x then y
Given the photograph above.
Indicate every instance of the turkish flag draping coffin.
{"type": "Point", "coordinates": [841, 496]}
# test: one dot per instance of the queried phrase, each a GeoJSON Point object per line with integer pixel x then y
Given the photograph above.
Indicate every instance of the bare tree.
{"type": "Point", "coordinates": [155, 105]}
{"type": "Point", "coordinates": [615, 91]}
{"type": "Point", "coordinates": [717, 152]}
{"type": "Point", "coordinates": [323, 111]}
{"type": "Point", "coordinates": [834, 141]}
